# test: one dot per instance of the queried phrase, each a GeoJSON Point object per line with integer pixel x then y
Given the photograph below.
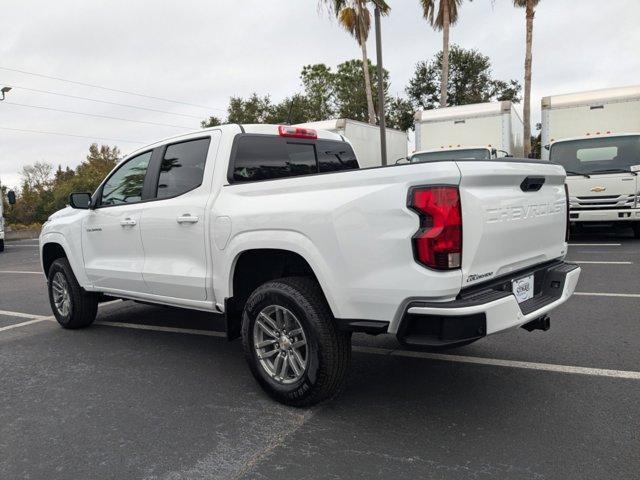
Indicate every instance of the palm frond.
{"type": "Point", "coordinates": [352, 23]}
{"type": "Point", "coordinates": [435, 14]}
{"type": "Point", "coordinates": [523, 3]}
{"type": "Point", "coordinates": [384, 7]}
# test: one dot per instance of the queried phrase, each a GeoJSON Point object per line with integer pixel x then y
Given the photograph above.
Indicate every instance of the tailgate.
{"type": "Point", "coordinates": [508, 226]}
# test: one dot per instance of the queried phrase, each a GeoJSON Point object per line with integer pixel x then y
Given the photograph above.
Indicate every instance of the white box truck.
{"type": "Point", "coordinates": [595, 136]}
{"type": "Point", "coordinates": [365, 140]}
{"type": "Point", "coordinates": [483, 130]}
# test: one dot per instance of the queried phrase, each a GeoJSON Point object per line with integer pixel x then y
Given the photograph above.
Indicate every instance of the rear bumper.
{"type": "Point", "coordinates": [605, 215]}
{"type": "Point", "coordinates": [486, 309]}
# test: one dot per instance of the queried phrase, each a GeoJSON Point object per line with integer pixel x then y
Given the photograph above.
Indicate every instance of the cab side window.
{"type": "Point", "coordinates": [125, 185]}
{"type": "Point", "coordinates": [182, 167]}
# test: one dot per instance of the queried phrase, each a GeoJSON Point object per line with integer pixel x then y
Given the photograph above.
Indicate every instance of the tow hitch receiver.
{"type": "Point", "coordinates": [541, 323]}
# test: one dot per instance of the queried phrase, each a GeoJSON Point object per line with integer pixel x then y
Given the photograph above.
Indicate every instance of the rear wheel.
{"type": "Point", "coordinates": [72, 306]}
{"type": "Point", "coordinates": [291, 342]}
{"type": "Point", "coordinates": [636, 230]}
{"type": "Point", "coordinates": [1, 245]}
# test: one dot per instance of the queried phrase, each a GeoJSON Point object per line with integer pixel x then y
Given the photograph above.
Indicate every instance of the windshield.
{"type": "Point", "coordinates": [597, 154]}
{"type": "Point", "coordinates": [467, 154]}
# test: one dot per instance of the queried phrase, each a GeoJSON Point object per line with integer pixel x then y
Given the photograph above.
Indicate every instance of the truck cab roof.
{"type": "Point", "coordinates": [234, 128]}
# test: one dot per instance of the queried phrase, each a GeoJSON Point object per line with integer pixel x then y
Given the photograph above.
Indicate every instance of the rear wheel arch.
{"type": "Point", "coordinates": [254, 267]}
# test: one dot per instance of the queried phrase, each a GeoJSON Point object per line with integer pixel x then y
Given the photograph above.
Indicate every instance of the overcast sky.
{"type": "Point", "coordinates": [202, 51]}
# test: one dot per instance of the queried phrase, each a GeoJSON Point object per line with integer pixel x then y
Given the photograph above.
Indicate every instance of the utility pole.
{"type": "Point", "coordinates": [383, 134]}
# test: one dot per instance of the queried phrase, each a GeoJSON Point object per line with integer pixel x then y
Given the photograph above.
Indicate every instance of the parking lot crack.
{"type": "Point", "coordinates": [274, 442]}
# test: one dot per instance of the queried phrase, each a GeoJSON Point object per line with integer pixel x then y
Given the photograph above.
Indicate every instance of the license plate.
{"type": "Point", "coordinates": [523, 288]}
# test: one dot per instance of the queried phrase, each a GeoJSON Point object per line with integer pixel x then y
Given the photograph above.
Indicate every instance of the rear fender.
{"type": "Point", "coordinates": [272, 239]}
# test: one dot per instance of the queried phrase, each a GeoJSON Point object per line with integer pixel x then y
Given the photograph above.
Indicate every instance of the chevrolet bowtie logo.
{"type": "Point", "coordinates": [598, 189]}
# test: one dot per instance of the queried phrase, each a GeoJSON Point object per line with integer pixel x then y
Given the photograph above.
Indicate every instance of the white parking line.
{"type": "Point", "coordinates": [602, 294]}
{"type": "Point", "coordinates": [547, 367]}
{"type": "Point", "coordinates": [37, 318]}
{"type": "Point", "coordinates": [23, 324]}
{"type": "Point", "coordinates": [9, 245]}
{"type": "Point", "coordinates": [588, 262]}
{"type": "Point", "coordinates": [595, 244]}
{"type": "Point", "coordinates": [20, 314]}
{"type": "Point", "coordinates": [17, 272]}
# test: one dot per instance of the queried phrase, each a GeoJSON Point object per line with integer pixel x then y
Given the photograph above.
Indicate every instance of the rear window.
{"type": "Point", "coordinates": [335, 156]}
{"type": "Point", "coordinates": [261, 157]}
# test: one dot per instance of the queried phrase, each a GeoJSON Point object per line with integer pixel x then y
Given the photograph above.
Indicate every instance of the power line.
{"type": "Point", "coordinates": [108, 88]}
{"type": "Point", "coordinates": [95, 115]}
{"type": "Point", "coordinates": [104, 101]}
{"type": "Point", "coordinates": [69, 135]}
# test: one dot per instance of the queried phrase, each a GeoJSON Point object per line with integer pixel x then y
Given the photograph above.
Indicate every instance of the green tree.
{"type": "Point", "coordinates": [355, 18]}
{"type": "Point", "coordinates": [400, 114]}
{"type": "Point", "coordinates": [35, 194]}
{"type": "Point", "coordinates": [470, 81]}
{"type": "Point", "coordinates": [294, 109]}
{"type": "Point", "coordinates": [319, 88]}
{"type": "Point", "coordinates": [447, 15]}
{"type": "Point", "coordinates": [351, 97]}
{"type": "Point", "coordinates": [255, 109]}
{"type": "Point", "coordinates": [211, 122]}
{"type": "Point", "coordinates": [530, 12]}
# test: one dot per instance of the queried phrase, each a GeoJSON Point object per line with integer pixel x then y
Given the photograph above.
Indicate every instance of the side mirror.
{"type": "Point", "coordinates": [81, 201]}
{"type": "Point", "coordinates": [403, 160]}
{"type": "Point", "coordinates": [11, 196]}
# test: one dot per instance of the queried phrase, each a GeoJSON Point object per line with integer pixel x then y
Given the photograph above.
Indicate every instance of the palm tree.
{"type": "Point", "coordinates": [355, 18]}
{"type": "Point", "coordinates": [530, 12]}
{"type": "Point", "coordinates": [447, 15]}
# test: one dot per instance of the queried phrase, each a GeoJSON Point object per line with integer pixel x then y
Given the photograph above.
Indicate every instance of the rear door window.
{"type": "Point", "coordinates": [182, 167]}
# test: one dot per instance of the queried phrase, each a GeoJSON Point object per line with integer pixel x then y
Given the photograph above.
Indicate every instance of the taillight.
{"type": "Point", "coordinates": [438, 243]}
{"type": "Point", "coordinates": [566, 194]}
{"type": "Point", "coordinates": [297, 132]}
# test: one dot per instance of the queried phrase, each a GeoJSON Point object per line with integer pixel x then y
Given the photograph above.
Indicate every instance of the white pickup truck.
{"type": "Point", "coordinates": [277, 229]}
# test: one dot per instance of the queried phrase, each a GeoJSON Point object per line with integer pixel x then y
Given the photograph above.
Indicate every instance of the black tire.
{"type": "Point", "coordinates": [1, 245]}
{"type": "Point", "coordinates": [636, 230]}
{"type": "Point", "coordinates": [83, 306]}
{"type": "Point", "coordinates": [329, 349]}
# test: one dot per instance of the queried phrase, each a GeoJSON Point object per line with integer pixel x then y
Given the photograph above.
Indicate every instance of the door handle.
{"type": "Point", "coordinates": [128, 222]}
{"type": "Point", "coordinates": [188, 218]}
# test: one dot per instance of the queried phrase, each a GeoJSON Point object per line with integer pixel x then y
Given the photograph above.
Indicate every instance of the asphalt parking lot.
{"type": "Point", "coordinates": [157, 393]}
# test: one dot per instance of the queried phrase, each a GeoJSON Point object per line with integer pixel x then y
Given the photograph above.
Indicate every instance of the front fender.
{"type": "Point", "coordinates": [72, 248]}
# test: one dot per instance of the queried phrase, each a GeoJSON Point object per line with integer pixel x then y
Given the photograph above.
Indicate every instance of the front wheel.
{"type": "Point", "coordinates": [72, 306]}
{"type": "Point", "coordinates": [292, 344]}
